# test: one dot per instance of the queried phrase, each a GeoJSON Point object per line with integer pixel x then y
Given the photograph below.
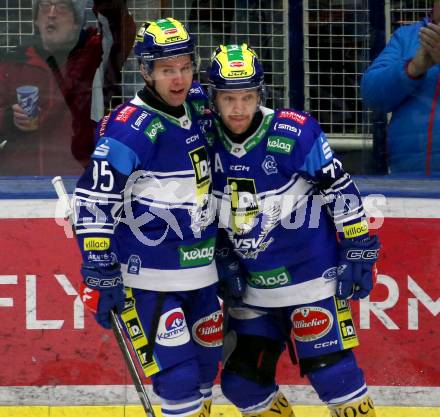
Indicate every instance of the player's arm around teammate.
{"type": "Point", "coordinates": [145, 224]}
{"type": "Point", "coordinates": [270, 166]}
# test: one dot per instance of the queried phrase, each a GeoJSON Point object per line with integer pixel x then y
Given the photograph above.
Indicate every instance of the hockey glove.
{"type": "Point", "coordinates": [232, 282]}
{"type": "Point", "coordinates": [357, 266]}
{"type": "Point", "coordinates": [102, 291]}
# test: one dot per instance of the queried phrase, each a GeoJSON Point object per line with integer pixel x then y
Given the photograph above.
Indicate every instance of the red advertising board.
{"type": "Point", "coordinates": [48, 339]}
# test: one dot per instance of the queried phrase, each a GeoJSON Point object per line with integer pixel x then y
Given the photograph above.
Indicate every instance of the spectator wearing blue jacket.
{"type": "Point", "coordinates": [405, 80]}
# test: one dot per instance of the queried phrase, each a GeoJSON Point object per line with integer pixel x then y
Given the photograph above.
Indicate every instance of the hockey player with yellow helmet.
{"type": "Point", "coordinates": [145, 224]}
{"type": "Point", "coordinates": [296, 222]}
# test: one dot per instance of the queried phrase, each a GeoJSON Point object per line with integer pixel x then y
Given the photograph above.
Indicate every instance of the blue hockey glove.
{"type": "Point", "coordinates": [103, 291]}
{"type": "Point", "coordinates": [232, 280]}
{"type": "Point", "coordinates": [356, 267]}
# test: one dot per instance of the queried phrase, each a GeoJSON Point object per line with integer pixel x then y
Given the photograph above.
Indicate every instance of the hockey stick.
{"type": "Point", "coordinates": [58, 184]}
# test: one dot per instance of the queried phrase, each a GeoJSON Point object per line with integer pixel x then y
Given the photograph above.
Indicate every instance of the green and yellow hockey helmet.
{"type": "Point", "coordinates": [235, 67]}
{"type": "Point", "coordinates": [163, 38]}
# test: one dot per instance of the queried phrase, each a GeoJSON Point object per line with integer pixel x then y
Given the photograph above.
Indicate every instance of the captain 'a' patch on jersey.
{"type": "Point", "coordinates": [244, 204]}
{"type": "Point", "coordinates": [199, 159]}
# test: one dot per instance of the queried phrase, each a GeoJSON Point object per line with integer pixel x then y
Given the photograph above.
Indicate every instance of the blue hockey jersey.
{"type": "Point", "coordinates": [145, 200]}
{"type": "Point", "coordinates": [283, 197]}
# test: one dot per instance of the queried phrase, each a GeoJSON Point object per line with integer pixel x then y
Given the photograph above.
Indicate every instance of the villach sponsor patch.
{"type": "Point", "coordinates": [96, 243]}
{"type": "Point", "coordinates": [197, 255]}
{"type": "Point", "coordinates": [280, 144]}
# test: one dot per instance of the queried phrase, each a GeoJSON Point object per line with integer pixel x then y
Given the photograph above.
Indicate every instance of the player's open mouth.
{"type": "Point", "coordinates": [238, 118]}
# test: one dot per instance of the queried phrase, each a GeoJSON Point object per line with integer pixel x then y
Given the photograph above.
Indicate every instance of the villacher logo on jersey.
{"type": "Point", "coordinates": [311, 323]}
{"type": "Point", "coordinates": [208, 330]}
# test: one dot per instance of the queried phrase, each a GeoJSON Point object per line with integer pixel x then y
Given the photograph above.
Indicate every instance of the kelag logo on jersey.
{"type": "Point", "coordinates": [172, 329]}
{"type": "Point", "coordinates": [280, 144]}
{"type": "Point", "coordinates": [270, 279]}
{"type": "Point", "coordinates": [244, 204]}
{"type": "Point", "coordinates": [153, 129]}
{"type": "Point", "coordinates": [197, 255]}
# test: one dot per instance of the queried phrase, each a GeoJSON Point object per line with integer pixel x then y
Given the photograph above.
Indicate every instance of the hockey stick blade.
{"type": "Point", "coordinates": [58, 185]}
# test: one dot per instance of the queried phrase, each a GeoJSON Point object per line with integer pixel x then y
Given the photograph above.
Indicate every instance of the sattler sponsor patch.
{"type": "Point", "coordinates": [293, 115]}
{"type": "Point", "coordinates": [125, 114]}
{"type": "Point", "coordinates": [208, 331]}
{"type": "Point", "coordinates": [311, 323]}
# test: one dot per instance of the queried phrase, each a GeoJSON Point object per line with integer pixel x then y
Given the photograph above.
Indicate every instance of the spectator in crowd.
{"type": "Point", "coordinates": [65, 76]}
{"type": "Point", "coordinates": [405, 80]}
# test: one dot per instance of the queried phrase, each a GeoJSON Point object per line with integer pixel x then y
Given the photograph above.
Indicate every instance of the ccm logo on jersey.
{"type": "Point", "coordinates": [239, 168]}
{"type": "Point", "coordinates": [125, 114]}
{"type": "Point", "coordinates": [208, 331]}
{"type": "Point", "coordinates": [292, 115]}
{"type": "Point", "coordinates": [311, 323]}
{"type": "Point", "coordinates": [329, 343]}
{"type": "Point", "coordinates": [192, 138]}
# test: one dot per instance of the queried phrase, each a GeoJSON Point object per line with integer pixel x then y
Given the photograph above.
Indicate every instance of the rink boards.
{"type": "Point", "coordinates": [53, 353]}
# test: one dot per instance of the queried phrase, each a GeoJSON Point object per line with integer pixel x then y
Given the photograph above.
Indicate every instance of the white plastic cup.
{"type": "Point", "coordinates": [27, 97]}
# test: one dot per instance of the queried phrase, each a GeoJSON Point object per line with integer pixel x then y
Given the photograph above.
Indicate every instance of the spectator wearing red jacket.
{"type": "Point", "coordinates": [76, 70]}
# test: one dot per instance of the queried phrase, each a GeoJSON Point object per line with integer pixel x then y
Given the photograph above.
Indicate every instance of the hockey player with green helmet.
{"type": "Point", "coordinates": [145, 224]}
{"type": "Point", "coordinates": [295, 220]}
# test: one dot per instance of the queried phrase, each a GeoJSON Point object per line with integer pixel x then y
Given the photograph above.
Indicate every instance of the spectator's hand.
{"type": "Point", "coordinates": [22, 121]}
{"type": "Point", "coordinates": [420, 63]}
{"type": "Point", "coordinates": [430, 41]}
